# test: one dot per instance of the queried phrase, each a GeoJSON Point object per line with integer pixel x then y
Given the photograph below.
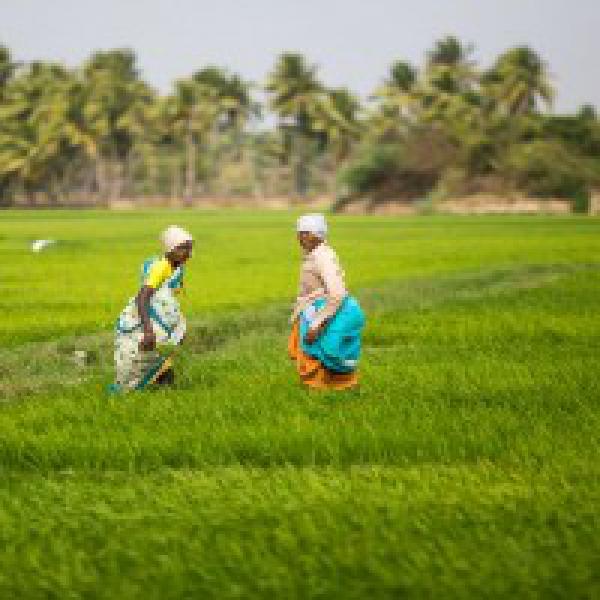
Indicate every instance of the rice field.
{"type": "Point", "coordinates": [467, 465]}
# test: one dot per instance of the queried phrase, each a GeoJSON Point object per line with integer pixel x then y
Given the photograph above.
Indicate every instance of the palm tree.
{"type": "Point", "coordinates": [296, 96]}
{"type": "Point", "coordinates": [448, 51]}
{"type": "Point", "coordinates": [518, 82]}
{"type": "Point", "coordinates": [449, 71]}
{"type": "Point", "coordinates": [449, 96]}
{"type": "Point", "coordinates": [449, 68]}
{"type": "Point", "coordinates": [115, 107]}
{"type": "Point", "coordinates": [587, 112]}
{"type": "Point", "coordinates": [294, 87]}
{"type": "Point", "coordinates": [236, 109]}
{"type": "Point", "coordinates": [336, 127]}
{"type": "Point", "coordinates": [232, 92]}
{"type": "Point", "coordinates": [6, 71]}
{"type": "Point", "coordinates": [341, 123]}
{"type": "Point", "coordinates": [38, 136]}
{"type": "Point", "coordinates": [192, 112]}
{"type": "Point", "coordinates": [403, 76]}
{"type": "Point", "coordinates": [398, 100]}
{"type": "Point", "coordinates": [7, 66]}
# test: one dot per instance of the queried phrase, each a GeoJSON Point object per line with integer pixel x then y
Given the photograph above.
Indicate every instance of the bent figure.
{"type": "Point", "coordinates": [153, 318]}
{"type": "Point", "coordinates": [326, 322]}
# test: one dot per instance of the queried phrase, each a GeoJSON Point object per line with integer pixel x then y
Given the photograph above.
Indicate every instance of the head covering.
{"type": "Point", "coordinates": [174, 236]}
{"type": "Point", "coordinates": [314, 223]}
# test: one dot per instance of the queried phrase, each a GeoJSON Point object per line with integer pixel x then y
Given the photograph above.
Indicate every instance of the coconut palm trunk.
{"type": "Point", "coordinates": [190, 169]}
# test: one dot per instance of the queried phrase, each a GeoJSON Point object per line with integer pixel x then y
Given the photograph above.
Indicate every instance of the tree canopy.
{"type": "Point", "coordinates": [99, 131]}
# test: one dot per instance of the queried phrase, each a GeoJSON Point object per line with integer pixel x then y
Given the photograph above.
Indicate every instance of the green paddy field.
{"type": "Point", "coordinates": [467, 465]}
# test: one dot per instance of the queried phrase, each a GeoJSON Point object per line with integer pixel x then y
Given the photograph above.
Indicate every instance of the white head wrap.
{"type": "Point", "coordinates": [313, 223]}
{"type": "Point", "coordinates": [174, 236]}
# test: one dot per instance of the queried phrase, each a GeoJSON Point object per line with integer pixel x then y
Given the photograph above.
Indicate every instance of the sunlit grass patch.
{"type": "Point", "coordinates": [466, 465]}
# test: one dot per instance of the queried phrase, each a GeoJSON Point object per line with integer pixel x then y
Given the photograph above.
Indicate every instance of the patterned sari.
{"type": "Point", "coordinates": [138, 369]}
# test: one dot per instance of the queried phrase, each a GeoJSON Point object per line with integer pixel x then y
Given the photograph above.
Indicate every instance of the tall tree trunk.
{"type": "Point", "coordinates": [116, 183]}
{"type": "Point", "coordinates": [190, 169]}
{"type": "Point", "coordinates": [301, 177]}
{"type": "Point", "coordinates": [28, 194]}
{"type": "Point", "coordinates": [4, 194]}
{"type": "Point", "coordinates": [176, 179]}
{"type": "Point", "coordinates": [90, 183]}
{"type": "Point", "coordinates": [102, 180]}
{"type": "Point", "coordinates": [128, 180]}
{"type": "Point", "coordinates": [53, 190]}
{"type": "Point", "coordinates": [301, 170]}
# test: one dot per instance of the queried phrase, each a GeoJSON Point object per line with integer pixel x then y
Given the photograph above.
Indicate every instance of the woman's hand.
{"type": "Point", "coordinates": [313, 334]}
{"type": "Point", "coordinates": [148, 342]}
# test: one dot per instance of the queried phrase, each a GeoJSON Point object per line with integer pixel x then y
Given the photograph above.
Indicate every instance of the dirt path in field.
{"type": "Point", "coordinates": [33, 367]}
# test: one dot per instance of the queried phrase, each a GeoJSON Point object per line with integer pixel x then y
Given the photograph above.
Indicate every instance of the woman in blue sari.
{"type": "Point", "coordinates": [325, 340]}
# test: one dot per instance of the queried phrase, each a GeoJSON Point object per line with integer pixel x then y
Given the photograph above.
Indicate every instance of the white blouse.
{"type": "Point", "coordinates": [321, 276]}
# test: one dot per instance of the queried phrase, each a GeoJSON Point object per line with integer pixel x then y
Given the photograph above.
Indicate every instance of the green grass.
{"type": "Point", "coordinates": [467, 465]}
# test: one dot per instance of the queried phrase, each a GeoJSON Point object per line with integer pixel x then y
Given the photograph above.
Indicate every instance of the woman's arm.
{"type": "Point", "coordinates": [143, 302]}
{"type": "Point", "coordinates": [158, 274]}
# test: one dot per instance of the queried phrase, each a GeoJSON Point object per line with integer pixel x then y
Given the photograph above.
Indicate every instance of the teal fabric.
{"type": "Point", "coordinates": [338, 347]}
{"type": "Point", "coordinates": [153, 371]}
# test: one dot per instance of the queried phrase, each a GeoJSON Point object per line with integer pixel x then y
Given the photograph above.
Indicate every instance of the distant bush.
{"type": "Point", "coordinates": [389, 171]}
{"type": "Point", "coordinates": [581, 132]}
{"type": "Point", "coordinates": [581, 202]}
{"type": "Point", "coordinates": [548, 169]}
{"type": "Point", "coordinates": [373, 167]}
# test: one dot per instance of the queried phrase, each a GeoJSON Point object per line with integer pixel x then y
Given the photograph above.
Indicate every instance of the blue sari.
{"type": "Point", "coordinates": [338, 348]}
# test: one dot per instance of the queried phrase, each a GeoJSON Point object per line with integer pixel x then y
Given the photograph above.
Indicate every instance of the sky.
{"type": "Point", "coordinates": [352, 41]}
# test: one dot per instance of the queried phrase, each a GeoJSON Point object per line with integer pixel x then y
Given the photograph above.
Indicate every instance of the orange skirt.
{"type": "Point", "coordinates": [312, 373]}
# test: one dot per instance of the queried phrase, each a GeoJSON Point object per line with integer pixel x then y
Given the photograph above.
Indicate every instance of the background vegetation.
{"type": "Point", "coordinates": [449, 127]}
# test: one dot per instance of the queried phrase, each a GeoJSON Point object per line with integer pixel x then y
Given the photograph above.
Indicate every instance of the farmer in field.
{"type": "Point", "coordinates": [152, 319]}
{"type": "Point", "coordinates": [326, 321]}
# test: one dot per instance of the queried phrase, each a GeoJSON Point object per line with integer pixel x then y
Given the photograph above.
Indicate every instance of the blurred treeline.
{"type": "Point", "coordinates": [446, 128]}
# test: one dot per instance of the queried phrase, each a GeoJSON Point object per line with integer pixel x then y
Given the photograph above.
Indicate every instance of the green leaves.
{"type": "Point", "coordinates": [115, 102]}
{"type": "Point", "coordinates": [36, 128]}
{"type": "Point", "coordinates": [101, 131]}
{"type": "Point", "coordinates": [518, 81]}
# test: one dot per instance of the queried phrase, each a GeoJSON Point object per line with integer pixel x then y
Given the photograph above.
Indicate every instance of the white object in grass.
{"type": "Point", "coordinates": [81, 358]}
{"type": "Point", "coordinates": [178, 334]}
{"type": "Point", "coordinates": [39, 245]}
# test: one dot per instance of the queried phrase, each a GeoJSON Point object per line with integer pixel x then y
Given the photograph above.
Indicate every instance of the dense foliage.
{"type": "Point", "coordinates": [100, 132]}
